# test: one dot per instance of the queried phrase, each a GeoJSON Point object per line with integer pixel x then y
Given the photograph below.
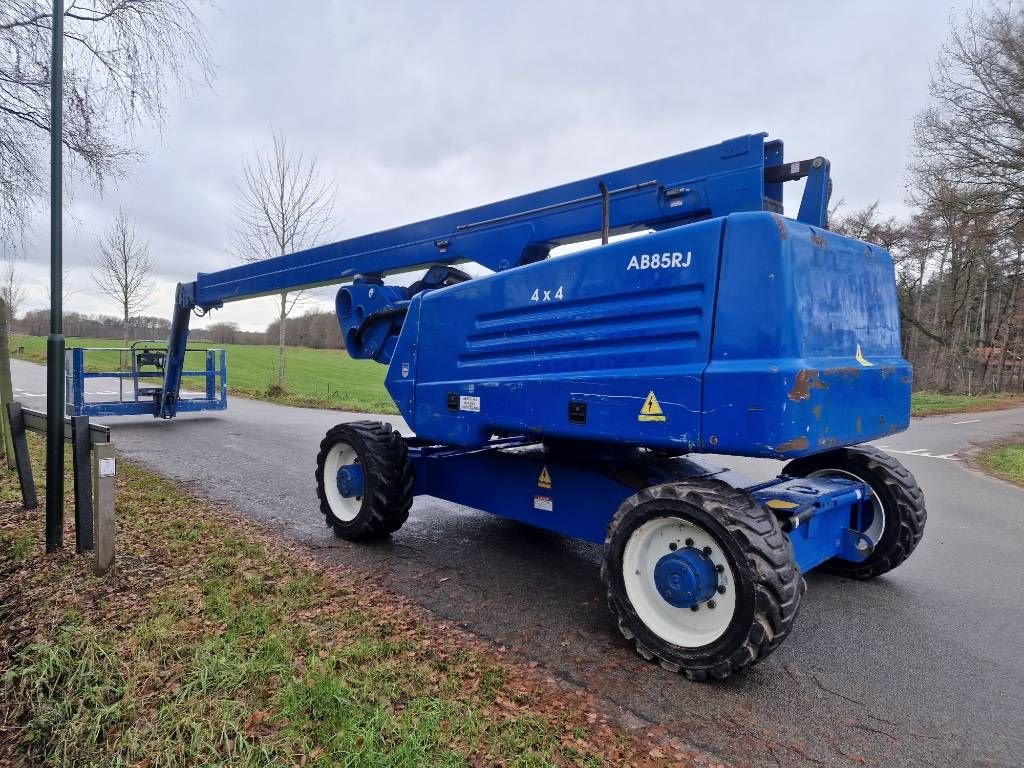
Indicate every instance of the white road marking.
{"type": "Point", "coordinates": [969, 421]}
{"type": "Point", "coordinates": [922, 452]}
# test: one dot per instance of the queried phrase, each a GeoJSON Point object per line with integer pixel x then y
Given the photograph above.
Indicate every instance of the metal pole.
{"type": "Point", "coordinates": [55, 341]}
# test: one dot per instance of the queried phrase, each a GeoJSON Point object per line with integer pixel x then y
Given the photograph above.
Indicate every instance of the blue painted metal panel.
{"type": "Point", "coordinates": [806, 354]}
{"type": "Point", "coordinates": [144, 407]}
{"type": "Point", "coordinates": [578, 493]}
{"type": "Point", "coordinates": [822, 517]}
{"type": "Point", "coordinates": [817, 191]}
{"type": "Point", "coordinates": [806, 351]}
{"type": "Point", "coordinates": [177, 343]}
{"type": "Point", "coordinates": [577, 501]}
{"type": "Point", "coordinates": [356, 305]}
{"type": "Point", "coordinates": [601, 328]}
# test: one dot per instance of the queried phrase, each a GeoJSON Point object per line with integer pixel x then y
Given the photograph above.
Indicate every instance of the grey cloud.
{"type": "Point", "coordinates": [421, 108]}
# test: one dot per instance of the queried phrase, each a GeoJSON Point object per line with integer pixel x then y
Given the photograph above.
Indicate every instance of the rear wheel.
{"type": "Point", "coordinates": [701, 578]}
{"type": "Point", "coordinates": [898, 514]}
{"type": "Point", "coordinates": [364, 480]}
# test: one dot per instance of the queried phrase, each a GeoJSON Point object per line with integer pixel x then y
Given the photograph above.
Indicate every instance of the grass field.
{"type": "Point", "coordinates": [1005, 461]}
{"type": "Point", "coordinates": [325, 378]}
{"type": "Point", "coordinates": [214, 644]}
{"type": "Point", "coordinates": [936, 403]}
{"type": "Point", "coordinates": [329, 378]}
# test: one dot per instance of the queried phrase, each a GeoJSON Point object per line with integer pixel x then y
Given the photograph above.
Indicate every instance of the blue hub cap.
{"type": "Point", "coordinates": [685, 578]}
{"type": "Point", "coordinates": [350, 481]}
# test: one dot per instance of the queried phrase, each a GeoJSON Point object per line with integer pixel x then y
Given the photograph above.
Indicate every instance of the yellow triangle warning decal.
{"type": "Point", "coordinates": [651, 410]}
{"type": "Point", "coordinates": [544, 481]}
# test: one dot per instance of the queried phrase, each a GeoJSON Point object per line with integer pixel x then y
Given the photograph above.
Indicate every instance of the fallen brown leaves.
{"type": "Point", "coordinates": [158, 555]}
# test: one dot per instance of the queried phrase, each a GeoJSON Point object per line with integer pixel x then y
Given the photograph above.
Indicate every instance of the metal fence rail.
{"type": "Point", "coordinates": [93, 465]}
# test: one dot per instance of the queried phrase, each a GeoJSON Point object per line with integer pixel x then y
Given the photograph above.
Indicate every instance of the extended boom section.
{"type": "Point", "coordinates": [571, 388]}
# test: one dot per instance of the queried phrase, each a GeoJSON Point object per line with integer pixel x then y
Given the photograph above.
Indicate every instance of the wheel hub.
{"type": "Point", "coordinates": [350, 481]}
{"type": "Point", "coordinates": [685, 578]}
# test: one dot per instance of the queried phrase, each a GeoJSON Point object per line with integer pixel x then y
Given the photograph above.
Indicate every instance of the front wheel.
{"type": "Point", "coordinates": [897, 514]}
{"type": "Point", "coordinates": [364, 480]}
{"type": "Point", "coordinates": [701, 578]}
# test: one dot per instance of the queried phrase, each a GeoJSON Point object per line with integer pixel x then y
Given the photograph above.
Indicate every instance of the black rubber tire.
{"type": "Point", "coordinates": [903, 501]}
{"type": "Point", "coordinates": [387, 479]}
{"type": "Point", "coordinates": [759, 553]}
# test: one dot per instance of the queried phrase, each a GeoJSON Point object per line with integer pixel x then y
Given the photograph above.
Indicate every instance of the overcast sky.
{"type": "Point", "coordinates": [423, 108]}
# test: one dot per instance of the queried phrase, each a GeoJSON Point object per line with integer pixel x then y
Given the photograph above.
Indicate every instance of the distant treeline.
{"type": "Point", "coordinates": [318, 330]}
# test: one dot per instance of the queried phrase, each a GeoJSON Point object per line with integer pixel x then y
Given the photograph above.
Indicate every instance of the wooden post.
{"type": "Point", "coordinates": [6, 386]}
{"type": "Point", "coordinates": [104, 474]}
{"type": "Point", "coordinates": [80, 447]}
{"type": "Point", "coordinates": [21, 458]}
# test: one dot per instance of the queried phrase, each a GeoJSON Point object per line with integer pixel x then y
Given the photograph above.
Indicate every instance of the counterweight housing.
{"type": "Point", "coordinates": [749, 334]}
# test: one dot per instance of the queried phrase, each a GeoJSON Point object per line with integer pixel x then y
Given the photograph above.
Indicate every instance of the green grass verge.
{"type": "Point", "coordinates": [935, 403]}
{"type": "Point", "coordinates": [213, 643]}
{"type": "Point", "coordinates": [323, 378]}
{"type": "Point", "coordinates": [1005, 461]}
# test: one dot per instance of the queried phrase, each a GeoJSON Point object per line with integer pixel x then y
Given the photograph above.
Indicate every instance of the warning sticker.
{"type": "Point", "coordinates": [651, 410]}
{"type": "Point", "coordinates": [544, 481]}
{"type": "Point", "coordinates": [861, 359]}
{"type": "Point", "coordinates": [469, 403]}
{"type": "Point", "coordinates": [544, 503]}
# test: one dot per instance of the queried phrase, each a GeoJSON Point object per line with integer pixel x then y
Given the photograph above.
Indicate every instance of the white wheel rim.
{"type": "Point", "coordinates": [682, 627]}
{"type": "Point", "coordinates": [344, 509]}
{"type": "Point", "coordinates": [877, 527]}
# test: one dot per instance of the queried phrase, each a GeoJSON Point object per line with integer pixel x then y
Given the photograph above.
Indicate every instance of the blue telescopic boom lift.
{"type": "Point", "coordinates": [573, 392]}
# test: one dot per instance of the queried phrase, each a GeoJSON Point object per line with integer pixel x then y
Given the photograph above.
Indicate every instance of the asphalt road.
{"type": "Point", "coordinates": [924, 666]}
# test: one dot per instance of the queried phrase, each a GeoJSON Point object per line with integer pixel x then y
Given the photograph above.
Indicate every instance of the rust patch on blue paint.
{"type": "Point", "coordinates": [796, 444]}
{"type": "Point", "coordinates": [847, 373]}
{"type": "Point", "coordinates": [803, 384]}
{"type": "Point", "coordinates": [781, 224]}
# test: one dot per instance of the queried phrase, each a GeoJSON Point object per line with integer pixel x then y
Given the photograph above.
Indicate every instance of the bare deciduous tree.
{"type": "Point", "coordinates": [223, 333]}
{"type": "Point", "coordinates": [122, 269]}
{"type": "Point", "coordinates": [868, 224]}
{"type": "Point", "coordinates": [66, 291]}
{"type": "Point", "coordinates": [285, 206]}
{"type": "Point", "coordinates": [12, 287]}
{"type": "Point", "coordinates": [971, 137]}
{"type": "Point", "coordinates": [959, 264]}
{"type": "Point", "coordinates": [120, 58]}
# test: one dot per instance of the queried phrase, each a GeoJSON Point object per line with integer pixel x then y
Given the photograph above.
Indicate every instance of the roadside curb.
{"type": "Point", "coordinates": [971, 458]}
